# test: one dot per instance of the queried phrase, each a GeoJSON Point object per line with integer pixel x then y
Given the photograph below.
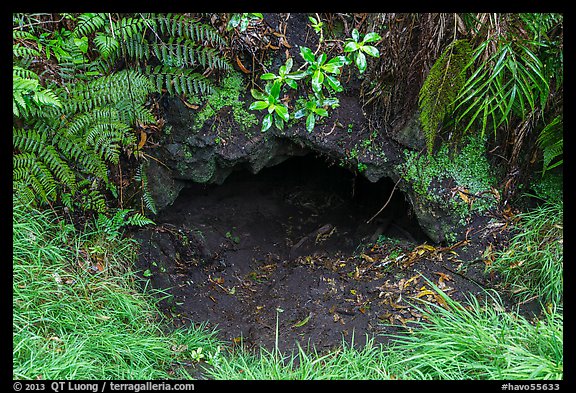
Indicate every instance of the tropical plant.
{"type": "Point", "coordinates": [277, 112]}
{"type": "Point", "coordinates": [313, 107]}
{"type": "Point", "coordinates": [441, 88]}
{"type": "Point", "coordinates": [323, 72]}
{"type": "Point", "coordinates": [81, 96]}
{"type": "Point", "coordinates": [284, 75]}
{"type": "Point", "coordinates": [242, 21]}
{"type": "Point", "coordinates": [357, 49]}
{"type": "Point", "coordinates": [511, 86]}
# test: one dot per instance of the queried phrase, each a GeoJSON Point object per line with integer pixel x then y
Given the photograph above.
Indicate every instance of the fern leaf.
{"type": "Point", "coordinates": [88, 23]}
{"type": "Point", "coordinates": [441, 87]}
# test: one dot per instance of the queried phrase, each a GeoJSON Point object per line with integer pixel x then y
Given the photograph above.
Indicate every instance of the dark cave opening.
{"type": "Point", "coordinates": [303, 193]}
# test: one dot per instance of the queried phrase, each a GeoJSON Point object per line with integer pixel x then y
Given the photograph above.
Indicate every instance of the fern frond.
{"type": "Point", "coordinates": [106, 44]}
{"type": "Point", "coordinates": [441, 87]}
{"type": "Point", "coordinates": [89, 23]}
{"type": "Point", "coordinates": [147, 199]}
{"type": "Point", "coordinates": [184, 26]}
{"type": "Point", "coordinates": [179, 81]}
{"type": "Point", "coordinates": [24, 51]}
{"type": "Point", "coordinates": [551, 141]}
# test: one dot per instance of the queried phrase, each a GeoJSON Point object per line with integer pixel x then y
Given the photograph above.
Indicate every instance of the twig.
{"type": "Point", "coordinates": [387, 202]}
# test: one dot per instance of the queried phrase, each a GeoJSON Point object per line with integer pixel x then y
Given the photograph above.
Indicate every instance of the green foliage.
{"type": "Point", "coordinates": [441, 87]}
{"type": "Point", "coordinates": [510, 81]}
{"type": "Point", "coordinates": [284, 75]}
{"type": "Point", "coordinates": [228, 95]}
{"type": "Point", "coordinates": [321, 71]}
{"type": "Point", "coordinates": [551, 141]}
{"type": "Point", "coordinates": [147, 199]}
{"type": "Point", "coordinates": [533, 264]}
{"type": "Point", "coordinates": [70, 322]}
{"type": "Point", "coordinates": [357, 49]}
{"type": "Point", "coordinates": [81, 116]}
{"type": "Point", "coordinates": [242, 21]}
{"type": "Point", "coordinates": [549, 187]}
{"type": "Point", "coordinates": [477, 341]}
{"type": "Point", "coordinates": [270, 101]}
{"type": "Point", "coordinates": [315, 107]}
{"type": "Point", "coordinates": [322, 76]}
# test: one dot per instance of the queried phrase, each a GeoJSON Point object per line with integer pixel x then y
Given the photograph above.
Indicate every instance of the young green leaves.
{"type": "Point", "coordinates": [323, 72]}
{"type": "Point", "coordinates": [285, 76]}
{"type": "Point", "coordinates": [358, 49]}
{"type": "Point", "coordinates": [315, 107]}
{"type": "Point", "coordinates": [270, 100]}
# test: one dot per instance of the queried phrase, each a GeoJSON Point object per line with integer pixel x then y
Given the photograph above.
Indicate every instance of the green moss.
{"type": "Point", "coordinates": [227, 96]}
{"type": "Point", "coordinates": [550, 187]}
{"type": "Point", "coordinates": [468, 169]}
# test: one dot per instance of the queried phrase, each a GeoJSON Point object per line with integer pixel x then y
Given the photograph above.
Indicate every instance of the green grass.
{"type": "Point", "coordinates": [482, 341]}
{"type": "Point", "coordinates": [345, 363]}
{"type": "Point", "coordinates": [69, 323]}
{"type": "Point", "coordinates": [533, 263]}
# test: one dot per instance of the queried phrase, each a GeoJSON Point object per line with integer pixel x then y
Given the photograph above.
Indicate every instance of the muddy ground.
{"type": "Point", "coordinates": [288, 250]}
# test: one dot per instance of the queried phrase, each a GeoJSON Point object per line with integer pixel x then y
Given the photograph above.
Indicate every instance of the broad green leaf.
{"type": "Point", "coordinates": [370, 50]}
{"type": "Point", "coordinates": [310, 105]}
{"type": "Point", "coordinates": [321, 111]}
{"type": "Point", "coordinates": [355, 35]}
{"type": "Point", "coordinates": [351, 46]}
{"type": "Point", "coordinates": [289, 63]}
{"type": "Point", "coordinates": [307, 54]}
{"type": "Point", "coordinates": [282, 111]}
{"type": "Point", "coordinates": [267, 76]}
{"type": "Point", "coordinates": [334, 65]}
{"type": "Point", "coordinates": [258, 105]}
{"type": "Point", "coordinates": [310, 120]}
{"type": "Point", "coordinates": [297, 75]}
{"type": "Point", "coordinates": [334, 83]}
{"type": "Point", "coordinates": [266, 122]}
{"type": "Point", "coordinates": [275, 90]}
{"type": "Point", "coordinates": [371, 37]}
{"type": "Point", "coordinates": [321, 59]}
{"type": "Point", "coordinates": [361, 62]}
{"type": "Point", "coordinates": [258, 95]}
{"type": "Point", "coordinates": [278, 122]}
{"type": "Point", "coordinates": [300, 113]}
{"type": "Point", "coordinates": [317, 80]}
{"type": "Point", "coordinates": [271, 108]}
{"type": "Point", "coordinates": [292, 83]}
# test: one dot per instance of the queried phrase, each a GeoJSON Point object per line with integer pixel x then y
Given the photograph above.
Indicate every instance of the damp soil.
{"type": "Point", "coordinates": [286, 256]}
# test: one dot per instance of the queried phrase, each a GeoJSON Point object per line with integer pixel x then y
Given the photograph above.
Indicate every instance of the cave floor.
{"type": "Point", "coordinates": [284, 257]}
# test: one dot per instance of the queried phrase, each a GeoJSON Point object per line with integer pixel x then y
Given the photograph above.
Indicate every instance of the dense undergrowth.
{"type": "Point", "coordinates": [78, 314]}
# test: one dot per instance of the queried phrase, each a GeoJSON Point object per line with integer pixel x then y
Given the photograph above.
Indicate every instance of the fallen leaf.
{"type": "Point", "coordinates": [464, 197]}
{"type": "Point", "coordinates": [244, 69]}
{"type": "Point", "coordinates": [424, 293]}
{"type": "Point", "coordinates": [368, 259]}
{"type": "Point", "coordinates": [143, 137]}
{"type": "Point", "coordinates": [302, 322]}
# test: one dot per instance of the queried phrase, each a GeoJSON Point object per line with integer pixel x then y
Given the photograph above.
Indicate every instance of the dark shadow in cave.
{"type": "Point", "coordinates": [290, 237]}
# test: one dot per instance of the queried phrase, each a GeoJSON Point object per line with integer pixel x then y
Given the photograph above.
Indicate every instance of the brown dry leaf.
{"type": "Point", "coordinates": [189, 105]}
{"type": "Point", "coordinates": [244, 69]}
{"type": "Point", "coordinates": [397, 306]}
{"type": "Point", "coordinates": [367, 258]}
{"type": "Point", "coordinates": [443, 277]}
{"type": "Point", "coordinates": [143, 137]}
{"type": "Point", "coordinates": [424, 293]}
{"type": "Point", "coordinates": [464, 197]}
